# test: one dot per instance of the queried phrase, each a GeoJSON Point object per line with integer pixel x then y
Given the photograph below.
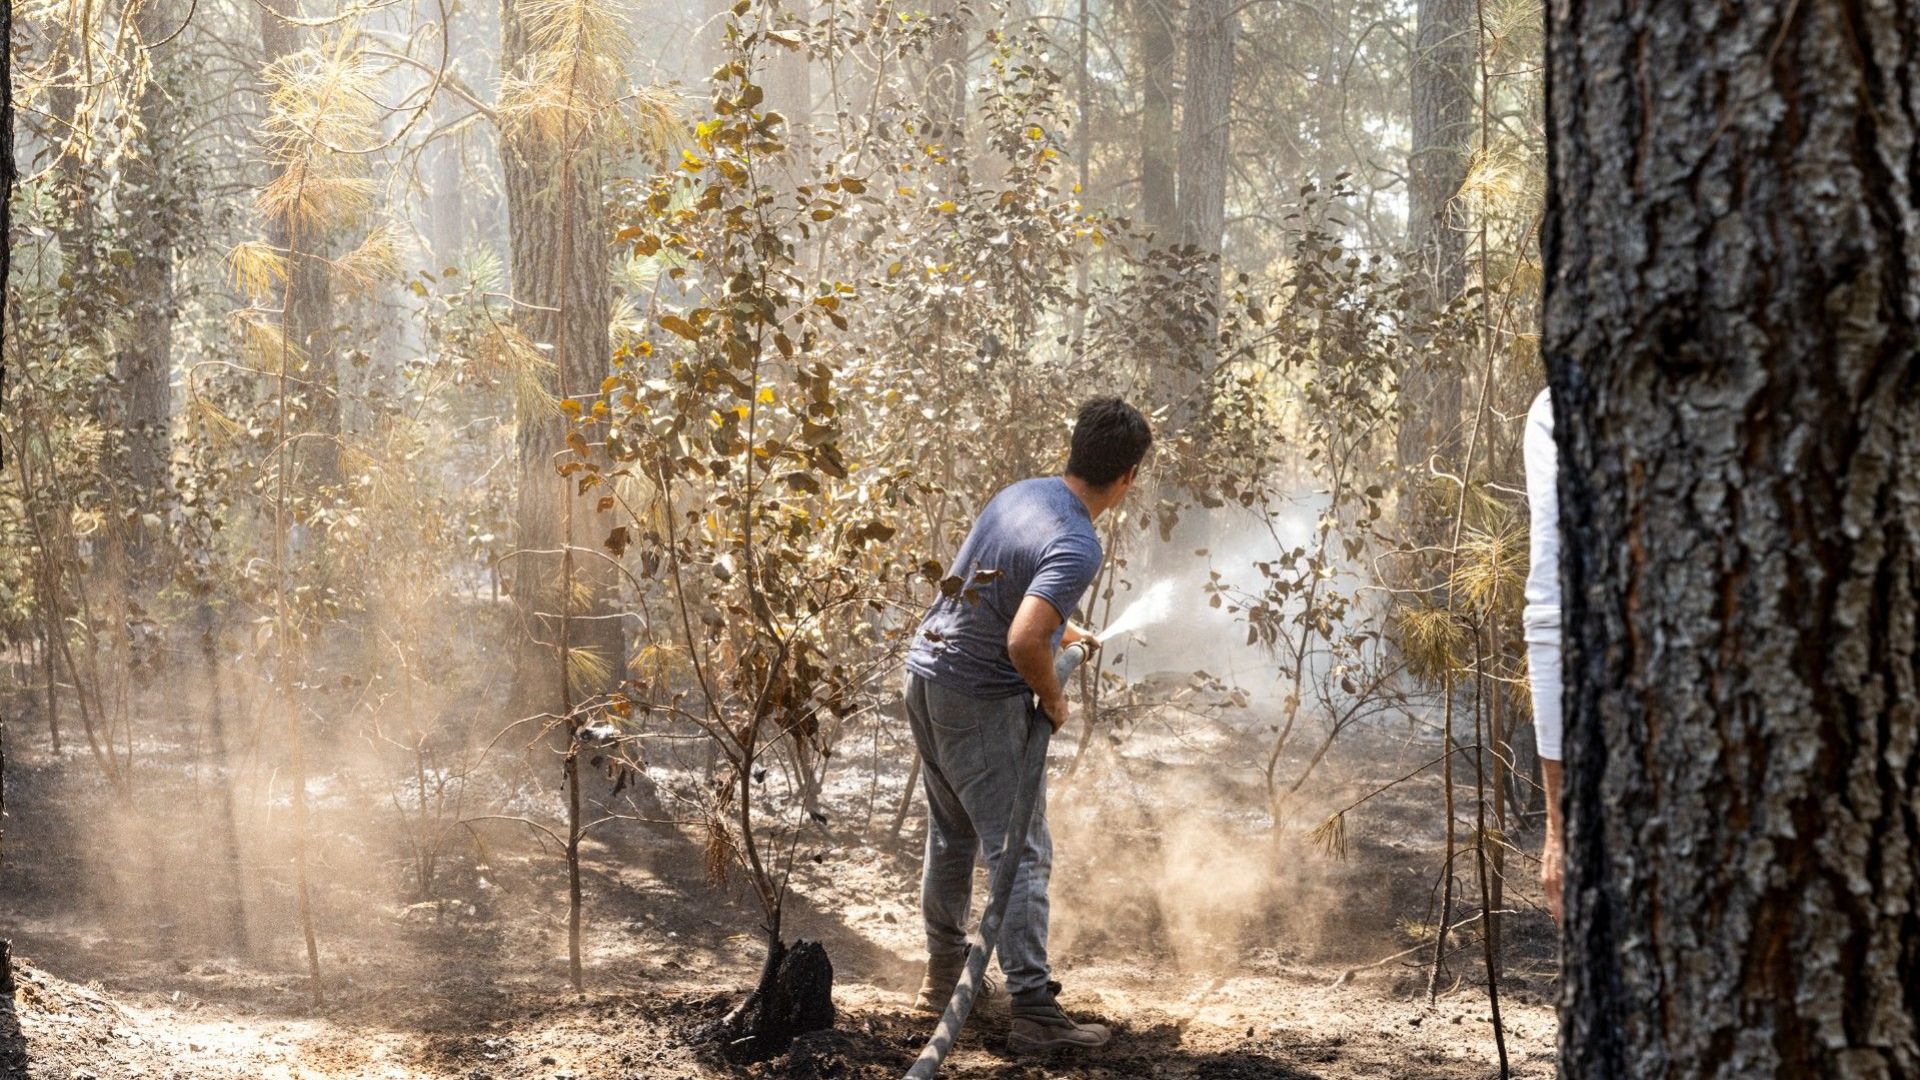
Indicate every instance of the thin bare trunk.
{"type": "Point", "coordinates": [1452, 845]}
{"type": "Point", "coordinates": [1489, 931]}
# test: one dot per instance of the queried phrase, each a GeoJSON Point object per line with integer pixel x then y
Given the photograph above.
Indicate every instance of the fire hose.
{"type": "Point", "coordinates": [1000, 889]}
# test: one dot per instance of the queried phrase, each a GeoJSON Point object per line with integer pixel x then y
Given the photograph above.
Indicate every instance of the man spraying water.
{"type": "Point", "coordinates": [982, 656]}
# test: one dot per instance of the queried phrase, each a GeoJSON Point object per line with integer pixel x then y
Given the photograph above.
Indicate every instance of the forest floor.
{"type": "Point", "coordinates": [1213, 951]}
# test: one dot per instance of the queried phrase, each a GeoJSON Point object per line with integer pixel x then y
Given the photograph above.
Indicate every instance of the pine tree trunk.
{"type": "Point", "coordinates": [1443, 113]}
{"type": "Point", "coordinates": [7, 173]}
{"type": "Point", "coordinates": [309, 291]}
{"type": "Point", "coordinates": [1212, 26]}
{"type": "Point", "coordinates": [563, 292]}
{"type": "Point", "coordinates": [1153, 32]}
{"type": "Point", "coordinates": [6, 229]}
{"type": "Point", "coordinates": [1732, 259]}
{"type": "Point", "coordinates": [145, 361]}
{"type": "Point", "coordinates": [1204, 144]}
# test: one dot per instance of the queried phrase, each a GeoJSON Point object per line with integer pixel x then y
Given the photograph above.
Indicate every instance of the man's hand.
{"type": "Point", "coordinates": [1553, 852]}
{"type": "Point", "coordinates": [1056, 710]}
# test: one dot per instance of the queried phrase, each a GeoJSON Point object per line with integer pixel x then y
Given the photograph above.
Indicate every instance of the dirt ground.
{"type": "Point", "coordinates": [1213, 950]}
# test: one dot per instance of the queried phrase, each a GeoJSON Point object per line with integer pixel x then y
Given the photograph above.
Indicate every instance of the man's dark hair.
{"type": "Point", "coordinates": [1109, 438]}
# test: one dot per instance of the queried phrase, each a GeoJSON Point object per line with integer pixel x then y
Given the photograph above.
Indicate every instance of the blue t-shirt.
{"type": "Point", "coordinates": [1035, 538]}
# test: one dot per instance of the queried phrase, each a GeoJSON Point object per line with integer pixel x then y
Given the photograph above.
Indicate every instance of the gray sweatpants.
{"type": "Point", "coordinates": [971, 750]}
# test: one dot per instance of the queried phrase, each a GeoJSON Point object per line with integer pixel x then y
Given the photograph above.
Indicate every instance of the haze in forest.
{"type": "Point", "coordinates": [473, 472]}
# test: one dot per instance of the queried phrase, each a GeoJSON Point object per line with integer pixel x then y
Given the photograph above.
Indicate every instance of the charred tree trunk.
{"type": "Point", "coordinates": [310, 320]}
{"type": "Point", "coordinates": [794, 996]}
{"type": "Point", "coordinates": [1443, 114]}
{"type": "Point", "coordinates": [1154, 41]}
{"type": "Point", "coordinates": [563, 296]}
{"type": "Point", "coordinates": [1732, 259]}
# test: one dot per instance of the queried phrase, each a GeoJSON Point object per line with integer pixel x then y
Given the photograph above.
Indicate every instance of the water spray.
{"type": "Point", "coordinates": [1152, 606]}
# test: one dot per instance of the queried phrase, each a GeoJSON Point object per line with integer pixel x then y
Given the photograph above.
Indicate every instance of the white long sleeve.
{"type": "Point", "coordinates": [1542, 614]}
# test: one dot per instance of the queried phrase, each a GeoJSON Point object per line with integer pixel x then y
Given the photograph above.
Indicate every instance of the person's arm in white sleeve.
{"type": "Point", "coordinates": [1542, 622]}
{"type": "Point", "coordinates": [1542, 615]}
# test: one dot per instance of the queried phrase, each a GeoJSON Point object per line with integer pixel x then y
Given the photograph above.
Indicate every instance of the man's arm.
{"type": "Point", "coordinates": [1542, 619]}
{"type": "Point", "coordinates": [1030, 647]}
{"type": "Point", "coordinates": [1552, 852]}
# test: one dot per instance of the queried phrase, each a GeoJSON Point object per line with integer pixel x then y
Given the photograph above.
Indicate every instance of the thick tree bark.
{"type": "Point", "coordinates": [6, 229]}
{"type": "Point", "coordinates": [7, 169]}
{"type": "Point", "coordinates": [1205, 119]}
{"type": "Point", "coordinates": [563, 300]}
{"type": "Point", "coordinates": [1212, 26]}
{"type": "Point", "coordinates": [1732, 258]}
{"type": "Point", "coordinates": [1443, 112]}
{"type": "Point", "coordinates": [6, 148]}
{"type": "Point", "coordinates": [144, 364]}
{"type": "Point", "coordinates": [1153, 26]}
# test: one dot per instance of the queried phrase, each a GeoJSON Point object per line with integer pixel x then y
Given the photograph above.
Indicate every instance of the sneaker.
{"type": "Point", "coordinates": [1040, 1028]}
{"type": "Point", "coordinates": [936, 987]}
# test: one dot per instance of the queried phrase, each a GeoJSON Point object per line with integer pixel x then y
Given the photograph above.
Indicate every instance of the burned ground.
{"type": "Point", "coordinates": [1214, 949]}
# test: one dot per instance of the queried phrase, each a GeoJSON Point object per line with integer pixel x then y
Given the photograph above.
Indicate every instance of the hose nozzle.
{"type": "Point", "coordinates": [1070, 659]}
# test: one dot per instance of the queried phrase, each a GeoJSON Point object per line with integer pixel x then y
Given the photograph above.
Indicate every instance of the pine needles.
{"type": "Point", "coordinates": [571, 72]}
{"type": "Point", "coordinates": [321, 121]}
{"type": "Point", "coordinates": [1330, 836]}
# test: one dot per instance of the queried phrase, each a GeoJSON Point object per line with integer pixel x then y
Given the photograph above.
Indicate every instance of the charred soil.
{"type": "Point", "coordinates": [145, 948]}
